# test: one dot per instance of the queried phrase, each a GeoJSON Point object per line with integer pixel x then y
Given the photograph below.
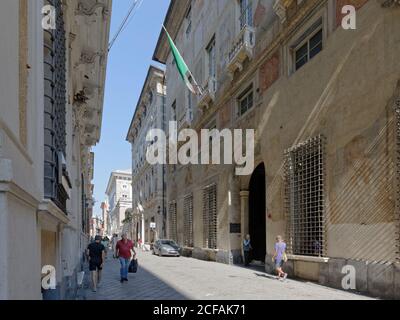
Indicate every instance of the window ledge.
{"type": "Point", "coordinates": [307, 258]}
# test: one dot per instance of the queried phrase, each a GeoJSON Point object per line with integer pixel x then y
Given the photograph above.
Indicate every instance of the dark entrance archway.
{"type": "Point", "coordinates": [257, 213]}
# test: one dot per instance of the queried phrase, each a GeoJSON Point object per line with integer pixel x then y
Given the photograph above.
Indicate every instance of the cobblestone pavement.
{"type": "Point", "coordinates": [165, 278]}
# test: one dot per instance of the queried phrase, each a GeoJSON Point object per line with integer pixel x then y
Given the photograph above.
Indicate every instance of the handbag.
{"type": "Point", "coordinates": [133, 266]}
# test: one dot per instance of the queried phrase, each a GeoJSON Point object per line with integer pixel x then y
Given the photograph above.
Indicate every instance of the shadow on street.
{"type": "Point", "coordinates": [144, 285]}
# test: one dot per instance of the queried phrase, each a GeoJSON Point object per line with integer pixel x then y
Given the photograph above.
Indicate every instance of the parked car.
{"type": "Point", "coordinates": [166, 248]}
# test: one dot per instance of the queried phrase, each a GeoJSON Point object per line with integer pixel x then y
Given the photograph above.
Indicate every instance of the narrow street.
{"type": "Point", "coordinates": [235, 130]}
{"type": "Point", "coordinates": [185, 278]}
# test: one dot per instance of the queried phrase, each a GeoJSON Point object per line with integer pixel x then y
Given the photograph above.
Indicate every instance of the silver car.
{"type": "Point", "coordinates": [166, 248]}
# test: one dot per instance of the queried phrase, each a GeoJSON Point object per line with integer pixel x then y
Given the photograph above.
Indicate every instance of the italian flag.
{"type": "Point", "coordinates": [183, 69]}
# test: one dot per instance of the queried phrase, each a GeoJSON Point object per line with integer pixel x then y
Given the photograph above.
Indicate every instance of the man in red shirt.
{"type": "Point", "coordinates": [125, 252]}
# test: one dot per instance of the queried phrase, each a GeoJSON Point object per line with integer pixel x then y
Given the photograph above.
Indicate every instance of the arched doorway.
{"type": "Point", "coordinates": [257, 214]}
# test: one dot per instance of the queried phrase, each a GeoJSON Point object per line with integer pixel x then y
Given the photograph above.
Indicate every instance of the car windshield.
{"type": "Point", "coordinates": [169, 243]}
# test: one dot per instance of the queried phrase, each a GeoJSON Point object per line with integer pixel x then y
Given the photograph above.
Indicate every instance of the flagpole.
{"type": "Point", "coordinates": [199, 88]}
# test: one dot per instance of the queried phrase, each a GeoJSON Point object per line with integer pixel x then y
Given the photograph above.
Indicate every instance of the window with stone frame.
{"type": "Point", "coordinates": [55, 109]}
{"type": "Point", "coordinates": [172, 223]}
{"type": "Point", "coordinates": [173, 111]}
{"type": "Point", "coordinates": [188, 22]}
{"type": "Point", "coordinates": [245, 101]}
{"type": "Point", "coordinates": [210, 217]}
{"type": "Point", "coordinates": [189, 101]}
{"type": "Point", "coordinates": [188, 221]}
{"type": "Point", "coordinates": [246, 13]}
{"type": "Point", "coordinates": [211, 59]}
{"type": "Point", "coordinates": [305, 198]}
{"type": "Point", "coordinates": [308, 45]}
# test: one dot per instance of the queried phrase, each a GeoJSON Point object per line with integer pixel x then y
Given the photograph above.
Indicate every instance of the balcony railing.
{"type": "Point", "coordinates": [209, 92]}
{"type": "Point", "coordinates": [242, 49]}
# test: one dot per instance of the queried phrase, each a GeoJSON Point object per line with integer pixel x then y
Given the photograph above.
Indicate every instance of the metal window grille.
{"type": "Point", "coordinates": [397, 161]}
{"type": "Point", "coordinates": [305, 203]}
{"type": "Point", "coordinates": [173, 229]}
{"type": "Point", "coordinates": [245, 101]}
{"type": "Point", "coordinates": [54, 108]}
{"type": "Point", "coordinates": [188, 221]}
{"type": "Point", "coordinates": [210, 222]}
{"type": "Point", "coordinates": [83, 204]}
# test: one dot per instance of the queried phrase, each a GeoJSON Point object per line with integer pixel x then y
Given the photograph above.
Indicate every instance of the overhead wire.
{"type": "Point", "coordinates": [128, 18]}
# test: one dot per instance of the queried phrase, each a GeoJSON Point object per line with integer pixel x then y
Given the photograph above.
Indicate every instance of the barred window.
{"type": "Point", "coordinates": [83, 205]}
{"type": "Point", "coordinates": [305, 204]}
{"type": "Point", "coordinates": [55, 109]}
{"type": "Point", "coordinates": [188, 221]}
{"type": "Point", "coordinates": [210, 217]}
{"type": "Point", "coordinates": [308, 45]}
{"type": "Point", "coordinates": [173, 229]}
{"type": "Point", "coordinates": [245, 101]}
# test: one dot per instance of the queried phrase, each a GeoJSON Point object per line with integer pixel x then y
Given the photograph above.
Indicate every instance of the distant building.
{"type": "Point", "coordinates": [119, 193]}
{"type": "Point", "coordinates": [96, 227]}
{"type": "Point", "coordinates": [148, 181]}
{"type": "Point", "coordinates": [105, 217]}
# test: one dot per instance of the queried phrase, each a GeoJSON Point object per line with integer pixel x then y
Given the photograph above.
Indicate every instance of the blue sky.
{"type": "Point", "coordinates": [128, 63]}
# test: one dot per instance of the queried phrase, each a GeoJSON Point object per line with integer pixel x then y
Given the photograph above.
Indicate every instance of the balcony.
{"type": "Point", "coordinates": [186, 120]}
{"type": "Point", "coordinates": [208, 95]}
{"type": "Point", "coordinates": [242, 49]}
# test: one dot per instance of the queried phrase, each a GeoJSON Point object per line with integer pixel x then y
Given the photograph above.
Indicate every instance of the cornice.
{"type": "Point", "coordinates": [173, 22]}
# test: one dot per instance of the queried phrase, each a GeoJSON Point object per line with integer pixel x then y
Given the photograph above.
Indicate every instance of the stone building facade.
{"type": "Point", "coordinates": [323, 102]}
{"type": "Point", "coordinates": [119, 194]}
{"type": "Point", "coordinates": [105, 217]}
{"type": "Point", "coordinates": [51, 101]}
{"type": "Point", "coordinates": [148, 181]}
{"type": "Point", "coordinates": [96, 227]}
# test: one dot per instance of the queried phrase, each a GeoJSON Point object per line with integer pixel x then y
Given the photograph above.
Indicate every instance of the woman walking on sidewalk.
{"type": "Point", "coordinates": [280, 257]}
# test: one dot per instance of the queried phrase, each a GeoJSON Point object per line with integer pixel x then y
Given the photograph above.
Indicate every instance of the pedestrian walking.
{"type": "Point", "coordinates": [114, 245]}
{"type": "Point", "coordinates": [247, 250]}
{"type": "Point", "coordinates": [96, 255]}
{"type": "Point", "coordinates": [280, 257]}
{"type": "Point", "coordinates": [125, 252]}
{"type": "Point", "coordinates": [105, 242]}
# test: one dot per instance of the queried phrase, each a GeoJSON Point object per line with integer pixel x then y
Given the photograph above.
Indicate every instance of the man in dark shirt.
{"type": "Point", "coordinates": [96, 256]}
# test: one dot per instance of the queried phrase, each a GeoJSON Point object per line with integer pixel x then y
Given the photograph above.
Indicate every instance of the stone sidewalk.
{"type": "Point", "coordinates": [164, 278]}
